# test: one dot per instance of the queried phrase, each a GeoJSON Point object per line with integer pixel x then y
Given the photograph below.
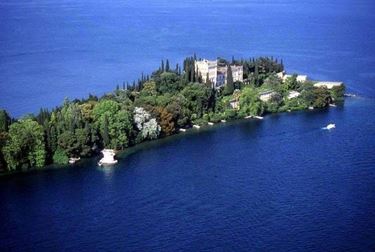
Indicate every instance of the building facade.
{"type": "Point", "coordinates": [217, 75]}
{"type": "Point", "coordinates": [300, 78]}
{"type": "Point", "coordinates": [328, 84]}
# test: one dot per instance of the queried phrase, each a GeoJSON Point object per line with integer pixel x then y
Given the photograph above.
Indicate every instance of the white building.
{"type": "Point", "coordinates": [234, 104]}
{"type": "Point", "coordinates": [293, 94]}
{"type": "Point", "coordinates": [237, 72]}
{"type": "Point", "coordinates": [207, 68]}
{"type": "Point", "coordinates": [221, 79]}
{"type": "Point", "coordinates": [328, 84]}
{"type": "Point", "coordinates": [266, 96]}
{"type": "Point", "coordinates": [108, 157]}
{"type": "Point", "coordinates": [300, 78]}
{"type": "Point", "coordinates": [217, 74]}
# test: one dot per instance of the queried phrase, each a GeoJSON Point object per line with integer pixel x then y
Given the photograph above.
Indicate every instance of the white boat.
{"type": "Point", "coordinates": [259, 117]}
{"type": "Point", "coordinates": [210, 123]}
{"type": "Point", "coordinates": [183, 130]}
{"type": "Point", "coordinates": [73, 160]}
{"type": "Point", "coordinates": [248, 117]}
{"type": "Point", "coordinates": [196, 126]}
{"type": "Point", "coordinates": [311, 107]}
{"type": "Point", "coordinates": [223, 121]}
{"type": "Point", "coordinates": [332, 105]}
{"type": "Point", "coordinates": [108, 157]}
{"type": "Point", "coordinates": [330, 126]}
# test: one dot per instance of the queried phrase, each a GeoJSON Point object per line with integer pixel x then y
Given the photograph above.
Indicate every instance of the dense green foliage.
{"type": "Point", "coordinates": [250, 104]}
{"type": "Point", "coordinates": [25, 146]}
{"type": "Point", "coordinates": [60, 157]}
{"type": "Point", "coordinates": [153, 107]}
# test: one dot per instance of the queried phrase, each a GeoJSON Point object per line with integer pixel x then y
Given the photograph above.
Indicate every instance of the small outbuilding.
{"type": "Point", "coordinates": [267, 95]}
{"type": "Point", "coordinates": [293, 94]}
{"type": "Point", "coordinates": [108, 157]}
{"type": "Point", "coordinates": [234, 104]}
{"type": "Point", "coordinates": [328, 84]}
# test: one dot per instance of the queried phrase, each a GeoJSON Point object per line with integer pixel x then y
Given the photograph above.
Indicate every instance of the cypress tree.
{"type": "Point", "coordinates": [256, 75]}
{"type": "Point", "coordinates": [167, 66]}
{"type": "Point", "coordinates": [53, 139]}
{"type": "Point", "coordinates": [192, 75]}
{"type": "Point", "coordinates": [162, 66]}
{"type": "Point", "coordinates": [208, 81]}
{"type": "Point", "coordinates": [105, 135]}
{"type": "Point", "coordinates": [229, 87]}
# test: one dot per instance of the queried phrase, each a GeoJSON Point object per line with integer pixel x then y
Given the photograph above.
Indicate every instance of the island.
{"type": "Point", "coordinates": [171, 100]}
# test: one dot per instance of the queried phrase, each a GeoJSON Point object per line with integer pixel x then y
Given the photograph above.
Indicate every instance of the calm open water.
{"type": "Point", "coordinates": [281, 184]}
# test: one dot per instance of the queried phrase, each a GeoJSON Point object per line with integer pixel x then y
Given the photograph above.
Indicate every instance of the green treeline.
{"type": "Point", "coordinates": [156, 106]}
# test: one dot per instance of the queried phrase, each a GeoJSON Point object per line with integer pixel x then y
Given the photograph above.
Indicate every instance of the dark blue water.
{"type": "Point", "coordinates": [281, 184]}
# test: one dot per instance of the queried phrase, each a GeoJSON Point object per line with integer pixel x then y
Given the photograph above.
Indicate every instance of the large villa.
{"type": "Point", "coordinates": [217, 74]}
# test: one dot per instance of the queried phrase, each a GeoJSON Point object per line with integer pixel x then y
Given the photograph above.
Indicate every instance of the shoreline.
{"type": "Point", "coordinates": [168, 102]}
{"type": "Point", "coordinates": [123, 154]}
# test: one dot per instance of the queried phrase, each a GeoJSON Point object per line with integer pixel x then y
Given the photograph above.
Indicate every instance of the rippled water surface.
{"type": "Point", "coordinates": [281, 184]}
{"type": "Point", "coordinates": [50, 50]}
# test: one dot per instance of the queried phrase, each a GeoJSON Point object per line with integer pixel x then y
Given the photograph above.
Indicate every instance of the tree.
{"type": "Point", "coordinates": [150, 130]}
{"type": "Point", "coordinates": [322, 97]}
{"type": "Point", "coordinates": [149, 89]}
{"type": "Point", "coordinates": [4, 121]}
{"type": "Point", "coordinates": [4, 126]}
{"type": "Point", "coordinates": [256, 76]}
{"type": "Point", "coordinates": [250, 104]}
{"type": "Point", "coordinates": [3, 139]}
{"type": "Point", "coordinates": [337, 93]}
{"type": "Point", "coordinates": [83, 140]}
{"type": "Point", "coordinates": [208, 81]}
{"type": "Point", "coordinates": [167, 82]}
{"type": "Point", "coordinates": [274, 103]}
{"type": "Point", "coordinates": [178, 107]}
{"type": "Point", "coordinates": [60, 157]}
{"type": "Point", "coordinates": [114, 124]}
{"type": "Point", "coordinates": [86, 110]}
{"type": "Point", "coordinates": [167, 66]}
{"type": "Point", "coordinates": [166, 121]}
{"type": "Point", "coordinates": [147, 126]}
{"type": "Point", "coordinates": [25, 146]}
{"type": "Point", "coordinates": [68, 142]}
{"type": "Point", "coordinates": [291, 83]}
{"type": "Point", "coordinates": [273, 82]}
{"type": "Point", "coordinates": [105, 132]}
{"type": "Point", "coordinates": [198, 98]}
{"type": "Point", "coordinates": [229, 87]}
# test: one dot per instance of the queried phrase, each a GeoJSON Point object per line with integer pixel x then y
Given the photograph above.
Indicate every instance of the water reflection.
{"type": "Point", "coordinates": [108, 172]}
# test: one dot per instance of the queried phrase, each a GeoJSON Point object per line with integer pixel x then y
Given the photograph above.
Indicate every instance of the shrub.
{"type": "Point", "coordinates": [60, 157]}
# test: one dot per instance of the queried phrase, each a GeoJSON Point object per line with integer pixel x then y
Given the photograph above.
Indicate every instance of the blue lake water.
{"type": "Point", "coordinates": [50, 50]}
{"type": "Point", "coordinates": [281, 184]}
